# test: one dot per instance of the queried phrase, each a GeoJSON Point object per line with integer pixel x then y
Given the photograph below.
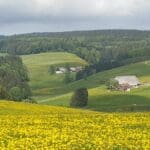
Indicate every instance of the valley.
{"type": "Point", "coordinates": [50, 89]}
{"type": "Point", "coordinates": [43, 74]}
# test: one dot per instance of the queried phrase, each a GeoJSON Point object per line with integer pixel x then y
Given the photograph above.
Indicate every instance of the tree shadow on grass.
{"type": "Point", "coordinates": [119, 103]}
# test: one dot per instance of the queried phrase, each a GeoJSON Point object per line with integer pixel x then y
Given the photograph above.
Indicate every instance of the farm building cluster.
{"type": "Point", "coordinates": [126, 83]}
{"type": "Point", "coordinates": [61, 70]}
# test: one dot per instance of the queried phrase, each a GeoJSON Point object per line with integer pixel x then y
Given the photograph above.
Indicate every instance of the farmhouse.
{"type": "Point", "coordinates": [59, 72]}
{"type": "Point", "coordinates": [73, 69]}
{"type": "Point", "coordinates": [76, 69]}
{"type": "Point", "coordinates": [79, 68]}
{"type": "Point", "coordinates": [127, 82]}
{"type": "Point", "coordinates": [62, 70]}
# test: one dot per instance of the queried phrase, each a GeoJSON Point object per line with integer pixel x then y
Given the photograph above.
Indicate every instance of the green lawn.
{"type": "Point", "coordinates": [51, 90]}
{"type": "Point", "coordinates": [101, 99]}
{"type": "Point", "coordinates": [44, 84]}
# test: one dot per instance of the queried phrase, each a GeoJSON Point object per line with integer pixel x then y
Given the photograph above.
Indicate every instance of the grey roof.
{"type": "Point", "coordinates": [131, 80]}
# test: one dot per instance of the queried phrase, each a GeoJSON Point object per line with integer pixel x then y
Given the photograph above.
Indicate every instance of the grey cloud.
{"type": "Point", "coordinates": [17, 16]}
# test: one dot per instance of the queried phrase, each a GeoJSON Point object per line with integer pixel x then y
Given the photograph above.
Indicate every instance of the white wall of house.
{"type": "Point", "coordinates": [59, 72]}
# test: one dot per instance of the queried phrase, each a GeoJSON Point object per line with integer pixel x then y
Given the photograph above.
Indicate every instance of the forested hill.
{"type": "Point", "coordinates": [123, 46]}
{"type": "Point", "coordinates": [13, 79]}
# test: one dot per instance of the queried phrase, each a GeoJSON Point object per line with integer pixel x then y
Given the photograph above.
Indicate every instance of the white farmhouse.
{"type": "Point", "coordinates": [63, 69]}
{"type": "Point", "coordinates": [59, 72]}
{"type": "Point", "coordinates": [132, 81]}
{"type": "Point", "coordinates": [73, 69]}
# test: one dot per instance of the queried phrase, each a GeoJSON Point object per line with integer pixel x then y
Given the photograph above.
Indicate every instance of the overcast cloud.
{"type": "Point", "coordinates": [21, 16]}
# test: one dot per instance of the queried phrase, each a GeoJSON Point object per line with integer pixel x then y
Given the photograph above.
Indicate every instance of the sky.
{"type": "Point", "coordinates": [24, 16]}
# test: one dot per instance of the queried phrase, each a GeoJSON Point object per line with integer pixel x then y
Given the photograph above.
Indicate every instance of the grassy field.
{"type": "Point", "coordinates": [32, 126]}
{"type": "Point", "coordinates": [101, 99]}
{"type": "Point", "coordinates": [51, 90]}
{"type": "Point", "coordinates": [44, 84]}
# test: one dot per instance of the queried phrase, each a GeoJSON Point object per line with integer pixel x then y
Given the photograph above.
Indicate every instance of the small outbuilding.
{"type": "Point", "coordinates": [63, 69]}
{"type": "Point", "coordinates": [73, 69]}
{"type": "Point", "coordinates": [59, 72]}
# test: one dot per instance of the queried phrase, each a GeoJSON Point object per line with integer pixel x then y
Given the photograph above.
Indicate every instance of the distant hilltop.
{"type": "Point", "coordinates": [80, 32]}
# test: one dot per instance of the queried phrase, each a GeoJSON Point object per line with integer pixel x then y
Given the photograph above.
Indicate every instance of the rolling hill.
{"type": "Point", "coordinates": [32, 126]}
{"type": "Point", "coordinates": [44, 84]}
{"type": "Point", "coordinates": [50, 89]}
{"type": "Point", "coordinates": [101, 99]}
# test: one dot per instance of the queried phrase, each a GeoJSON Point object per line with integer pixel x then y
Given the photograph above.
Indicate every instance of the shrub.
{"type": "Point", "coordinates": [26, 92]}
{"type": "Point", "coordinates": [52, 69]}
{"type": "Point", "coordinates": [68, 77]}
{"type": "Point", "coordinates": [15, 93]}
{"type": "Point", "coordinates": [79, 98]}
{"type": "Point", "coordinates": [112, 84]}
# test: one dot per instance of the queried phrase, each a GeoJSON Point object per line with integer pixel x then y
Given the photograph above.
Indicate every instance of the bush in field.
{"type": "Point", "coordinates": [52, 69]}
{"type": "Point", "coordinates": [79, 98]}
{"type": "Point", "coordinates": [26, 92]}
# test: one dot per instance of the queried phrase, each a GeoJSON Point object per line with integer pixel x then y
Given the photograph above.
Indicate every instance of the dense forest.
{"type": "Point", "coordinates": [13, 79]}
{"type": "Point", "coordinates": [103, 49]}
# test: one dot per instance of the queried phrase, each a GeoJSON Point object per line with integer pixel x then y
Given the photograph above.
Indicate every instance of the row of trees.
{"type": "Point", "coordinates": [13, 79]}
{"type": "Point", "coordinates": [93, 46]}
{"type": "Point", "coordinates": [103, 49]}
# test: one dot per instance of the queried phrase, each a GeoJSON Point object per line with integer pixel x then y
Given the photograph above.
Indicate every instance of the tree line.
{"type": "Point", "coordinates": [13, 79]}
{"type": "Point", "coordinates": [102, 49]}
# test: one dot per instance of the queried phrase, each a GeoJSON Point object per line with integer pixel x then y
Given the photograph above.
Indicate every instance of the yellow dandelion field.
{"type": "Point", "coordinates": [26, 126]}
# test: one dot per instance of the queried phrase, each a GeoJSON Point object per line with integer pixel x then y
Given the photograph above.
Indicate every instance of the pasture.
{"type": "Point", "coordinates": [50, 89]}
{"type": "Point", "coordinates": [42, 83]}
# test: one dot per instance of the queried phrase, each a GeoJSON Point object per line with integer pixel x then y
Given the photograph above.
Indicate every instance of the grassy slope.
{"type": "Point", "coordinates": [103, 100]}
{"type": "Point", "coordinates": [50, 89]}
{"type": "Point", "coordinates": [42, 83]}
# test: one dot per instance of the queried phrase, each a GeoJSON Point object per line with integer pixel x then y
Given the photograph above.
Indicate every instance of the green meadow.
{"type": "Point", "coordinates": [51, 89]}
{"type": "Point", "coordinates": [44, 84]}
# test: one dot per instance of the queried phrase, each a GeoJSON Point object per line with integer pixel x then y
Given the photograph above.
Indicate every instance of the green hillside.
{"type": "Point", "coordinates": [50, 89]}
{"type": "Point", "coordinates": [41, 81]}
